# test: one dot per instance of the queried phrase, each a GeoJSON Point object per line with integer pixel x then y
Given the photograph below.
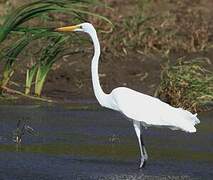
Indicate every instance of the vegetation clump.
{"type": "Point", "coordinates": [187, 84]}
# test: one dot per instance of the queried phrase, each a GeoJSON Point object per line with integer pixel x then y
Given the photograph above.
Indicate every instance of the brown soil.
{"type": "Point", "coordinates": [71, 78]}
{"type": "Point", "coordinates": [134, 71]}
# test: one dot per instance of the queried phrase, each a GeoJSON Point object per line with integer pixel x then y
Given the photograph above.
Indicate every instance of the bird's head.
{"type": "Point", "coordinates": [83, 27]}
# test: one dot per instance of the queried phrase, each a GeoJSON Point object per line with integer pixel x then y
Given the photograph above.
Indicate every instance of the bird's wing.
{"type": "Point", "coordinates": [152, 111]}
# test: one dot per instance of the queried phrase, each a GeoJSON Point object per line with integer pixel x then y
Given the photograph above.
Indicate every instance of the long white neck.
{"type": "Point", "coordinates": [99, 93]}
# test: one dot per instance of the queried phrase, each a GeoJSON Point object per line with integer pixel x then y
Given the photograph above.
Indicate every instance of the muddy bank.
{"type": "Point", "coordinates": [71, 81]}
{"type": "Point", "coordinates": [131, 57]}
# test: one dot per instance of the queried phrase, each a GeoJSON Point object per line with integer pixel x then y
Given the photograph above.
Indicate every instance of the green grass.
{"type": "Point", "coordinates": [15, 25]}
{"type": "Point", "coordinates": [46, 61]}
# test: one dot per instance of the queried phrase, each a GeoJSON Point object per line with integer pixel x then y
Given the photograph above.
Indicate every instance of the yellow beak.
{"type": "Point", "coordinates": [67, 28]}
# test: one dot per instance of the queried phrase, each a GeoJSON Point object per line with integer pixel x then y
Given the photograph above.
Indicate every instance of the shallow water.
{"type": "Point", "coordinates": [98, 144]}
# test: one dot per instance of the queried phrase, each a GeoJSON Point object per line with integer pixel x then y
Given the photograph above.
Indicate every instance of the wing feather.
{"type": "Point", "coordinates": [151, 110]}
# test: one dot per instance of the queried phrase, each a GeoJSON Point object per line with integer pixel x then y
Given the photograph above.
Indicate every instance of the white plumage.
{"type": "Point", "coordinates": [140, 108]}
{"type": "Point", "coordinates": [152, 111]}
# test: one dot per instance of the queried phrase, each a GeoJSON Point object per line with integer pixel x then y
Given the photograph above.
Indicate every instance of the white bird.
{"type": "Point", "coordinates": [142, 109]}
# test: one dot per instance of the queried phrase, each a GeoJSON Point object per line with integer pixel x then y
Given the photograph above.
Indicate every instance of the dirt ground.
{"type": "Point", "coordinates": [129, 62]}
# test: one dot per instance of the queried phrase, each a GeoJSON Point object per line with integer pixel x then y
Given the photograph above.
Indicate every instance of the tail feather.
{"type": "Point", "coordinates": [189, 119]}
{"type": "Point", "coordinates": [192, 118]}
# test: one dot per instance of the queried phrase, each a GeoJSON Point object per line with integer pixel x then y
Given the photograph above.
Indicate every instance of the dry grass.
{"type": "Point", "coordinates": [187, 84]}
{"type": "Point", "coordinates": [163, 27]}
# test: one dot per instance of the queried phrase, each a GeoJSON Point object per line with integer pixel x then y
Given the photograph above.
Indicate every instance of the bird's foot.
{"type": "Point", "coordinates": [143, 162]}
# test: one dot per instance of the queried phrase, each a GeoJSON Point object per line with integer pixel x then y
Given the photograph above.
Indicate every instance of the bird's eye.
{"type": "Point", "coordinates": [81, 27]}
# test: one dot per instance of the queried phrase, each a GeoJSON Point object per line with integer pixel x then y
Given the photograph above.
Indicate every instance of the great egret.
{"type": "Point", "coordinates": [142, 109]}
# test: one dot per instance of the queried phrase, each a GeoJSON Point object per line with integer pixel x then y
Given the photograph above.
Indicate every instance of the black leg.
{"type": "Point", "coordinates": [142, 143]}
{"type": "Point", "coordinates": [143, 148]}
